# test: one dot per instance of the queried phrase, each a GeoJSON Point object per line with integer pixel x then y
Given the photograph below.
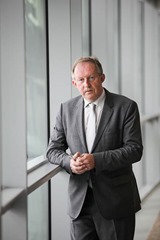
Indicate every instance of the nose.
{"type": "Point", "coordinates": [87, 82]}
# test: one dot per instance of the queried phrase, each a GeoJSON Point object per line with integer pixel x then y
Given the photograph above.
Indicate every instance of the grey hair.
{"type": "Point", "coordinates": [90, 59]}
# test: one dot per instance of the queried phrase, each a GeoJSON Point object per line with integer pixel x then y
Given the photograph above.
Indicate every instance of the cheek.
{"type": "Point", "coordinates": [98, 87]}
{"type": "Point", "coordinates": [80, 89]}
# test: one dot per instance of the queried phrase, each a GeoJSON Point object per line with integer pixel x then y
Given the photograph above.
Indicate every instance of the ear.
{"type": "Point", "coordinates": [103, 78]}
{"type": "Point", "coordinates": [74, 83]}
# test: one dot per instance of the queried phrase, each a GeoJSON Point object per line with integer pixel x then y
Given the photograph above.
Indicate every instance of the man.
{"type": "Point", "coordinates": [103, 194]}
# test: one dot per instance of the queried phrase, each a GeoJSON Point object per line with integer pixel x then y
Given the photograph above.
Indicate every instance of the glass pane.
{"type": "Point", "coordinates": [36, 77]}
{"type": "Point", "coordinates": [85, 27]}
{"type": "Point", "coordinates": [38, 214]}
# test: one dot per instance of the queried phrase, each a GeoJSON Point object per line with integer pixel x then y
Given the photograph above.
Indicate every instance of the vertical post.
{"type": "Point", "coordinates": [13, 172]}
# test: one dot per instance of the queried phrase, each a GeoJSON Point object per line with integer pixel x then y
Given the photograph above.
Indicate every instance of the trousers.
{"type": "Point", "coordinates": [91, 225]}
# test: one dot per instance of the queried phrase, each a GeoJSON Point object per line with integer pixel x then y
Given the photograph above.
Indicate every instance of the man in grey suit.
{"type": "Point", "coordinates": [103, 194]}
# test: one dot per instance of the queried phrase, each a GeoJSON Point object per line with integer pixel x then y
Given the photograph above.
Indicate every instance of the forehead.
{"type": "Point", "coordinates": [84, 68]}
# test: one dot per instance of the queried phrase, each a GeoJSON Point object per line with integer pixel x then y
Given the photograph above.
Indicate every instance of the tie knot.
{"type": "Point", "coordinates": [92, 106]}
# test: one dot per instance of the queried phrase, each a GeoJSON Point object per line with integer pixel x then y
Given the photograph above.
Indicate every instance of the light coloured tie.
{"type": "Point", "coordinates": [91, 127]}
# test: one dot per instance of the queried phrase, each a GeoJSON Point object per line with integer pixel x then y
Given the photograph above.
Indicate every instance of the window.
{"type": "Point", "coordinates": [38, 219]}
{"type": "Point", "coordinates": [36, 77]}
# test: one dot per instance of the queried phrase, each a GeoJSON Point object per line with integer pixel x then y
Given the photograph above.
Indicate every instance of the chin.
{"type": "Point", "coordinates": [90, 99]}
{"type": "Point", "coordinates": [90, 96]}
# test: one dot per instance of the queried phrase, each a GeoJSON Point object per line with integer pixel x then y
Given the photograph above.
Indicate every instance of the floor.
{"type": "Point", "coordinates": [147, 216]}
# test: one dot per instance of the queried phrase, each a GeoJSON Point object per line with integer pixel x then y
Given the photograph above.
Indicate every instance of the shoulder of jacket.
{"type": "Point", "coordinates": [73, 101]}
{"type": "Point", "coordinates": [120, 98]}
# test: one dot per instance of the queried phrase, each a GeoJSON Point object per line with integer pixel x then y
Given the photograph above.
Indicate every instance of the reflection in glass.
{"type": "Point", "coordinates": [38, 214]}
{"type": "Point", "coordinates": [36, 77]}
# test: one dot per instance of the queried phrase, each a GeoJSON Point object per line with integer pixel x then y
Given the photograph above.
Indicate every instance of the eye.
{"type": "Point", "coordinates": [91, 78]}
{"type": "Point", "coordinates": [80, 80]}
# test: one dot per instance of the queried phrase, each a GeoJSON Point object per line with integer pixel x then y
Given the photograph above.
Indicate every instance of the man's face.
{"type": "Point", "coordinates": [88, 81]}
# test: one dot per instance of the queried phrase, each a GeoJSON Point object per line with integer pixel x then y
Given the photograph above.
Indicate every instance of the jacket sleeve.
{"type": "Point", "coordinates": [57, 147]}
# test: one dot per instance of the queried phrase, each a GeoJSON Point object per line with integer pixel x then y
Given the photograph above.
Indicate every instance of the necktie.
{"type": "Point", "coordinates": [91, 126]}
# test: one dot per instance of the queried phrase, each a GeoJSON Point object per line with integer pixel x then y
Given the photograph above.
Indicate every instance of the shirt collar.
{"type": "Point", "coordinates": [98, 102]}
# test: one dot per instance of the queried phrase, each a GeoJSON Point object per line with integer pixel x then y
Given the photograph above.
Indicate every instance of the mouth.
{"type": "Point", "coordinates": [89, 91]}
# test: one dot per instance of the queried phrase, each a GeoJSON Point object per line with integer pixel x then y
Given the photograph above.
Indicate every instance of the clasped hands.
{"type": "Point", "coordinates": [81, 163]}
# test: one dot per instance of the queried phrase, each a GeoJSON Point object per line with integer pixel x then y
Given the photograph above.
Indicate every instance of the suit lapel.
{"type": "Point", "coordinates": [106, 115]}
{"type": "Point", "coordinates": [79, 115]}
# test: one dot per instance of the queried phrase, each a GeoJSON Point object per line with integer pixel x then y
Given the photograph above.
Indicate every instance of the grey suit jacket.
{"type": "Point", "coordinates": [117, 146]}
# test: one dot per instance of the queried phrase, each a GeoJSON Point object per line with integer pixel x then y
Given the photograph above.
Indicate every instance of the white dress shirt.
{"type": "Point", "coordinates": [99, 107]}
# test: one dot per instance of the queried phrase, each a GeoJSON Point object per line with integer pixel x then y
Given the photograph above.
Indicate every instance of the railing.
{"type": "Point", "coordinates": [150, 117]}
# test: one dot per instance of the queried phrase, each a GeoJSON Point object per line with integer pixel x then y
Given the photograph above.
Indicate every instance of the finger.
{"type": "Point", "coordinates": [77, 154]}
{"type": "Point", "coordinates": [80, 171]}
